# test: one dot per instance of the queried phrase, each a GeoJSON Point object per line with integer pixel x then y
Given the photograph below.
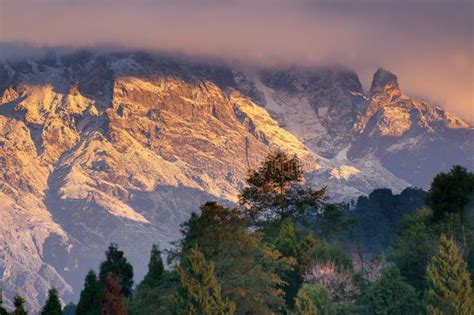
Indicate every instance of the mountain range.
{"type": "Point", "coordinates": [122, 147]}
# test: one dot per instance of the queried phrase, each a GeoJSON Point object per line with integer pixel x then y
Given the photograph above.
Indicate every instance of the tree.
{"type": "Point", "coordinates": [200, 293]}
{"type": "Point", "coordinates": [246, 267]}
{"type": "Point", "coordinates": [19, 303]}
{"type": "Point", "coordinates": [449, 196]}
{"type": "Point", "coordinates": [275, 192]}
{"type": "Point", "coordinates": [314, 299]}
{"type": "Point", "coordinates": [449, 284]}
{"type": "Point", "coordinates": [155, 269]}
{"type": "Point", "coordinates": [113, 299]}
{"type": "Point", "coordinates": [53, 305]}
{"type": "Point", "coordinates": [414, 245]}
{"type": "Point", "coordinates": [390, 295]}
{"type": "Point", "coordinates": [89, 301]}
{"type": "Point", "coordinates": [117, 263]}
{"type": "Point", "coordinates": [156, 293]}
{"type": "Point", "coordinates": [70, 309]}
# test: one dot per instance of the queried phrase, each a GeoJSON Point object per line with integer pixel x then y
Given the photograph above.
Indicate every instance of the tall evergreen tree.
{"type": "Point", "coordinates": [200, 293]}
{"type": "Point", "coordinates": [117, 263]}
{"type": "Point", "coordinates": [19, 303]}
{"type": "Point", "coordinates": [156, 269]}
{"type": "Point", "coordinates": [89, 302]}
{"type": "Point", "coordinates": [53, 305]}
{"type": "Point", "coordinates": [3, 311]}
{"type": "Point", "coordinates": [449, 284]}
{"type": "Point", "coordinates": [70, 309]}
{"type": "Point", "coordinates": [113, 299]}
{"type": "Point", "coordinates": [247, 268]}
{"type": "Point", "coordinates": [275, 192]}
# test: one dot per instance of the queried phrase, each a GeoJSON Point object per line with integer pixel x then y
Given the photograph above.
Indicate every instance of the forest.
{"type": "Point", "coordinates": [286, 249]}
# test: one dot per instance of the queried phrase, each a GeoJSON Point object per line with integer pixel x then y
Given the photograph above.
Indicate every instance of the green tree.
{"type": "Point", "coordinates": [449, 196]}
{"type": "Point", "coordinates": [117, 263]}
{"type": "Point", "coordinates": [246, 267]}
{"type": "Point", "coordinates": [414, 245]}
{"type": "Point", "coordinates": [200, 293]}
{"type": "Point", "coordinates": [70, 309]}
{"type": "Point", "coordinates": [19, 303]}
{"type": "Point", "coordinates": [3, 311]}
{"type": "Point", "coordinates": [156, 293]}
{"type": "Point", "coordinates": [113, 299]}
{"type": "Point", "coordinates": [275, 192]}
{"type": "Point", "coordinates": [449, 284]}
{"type": "Point", "coordinates": [390, 295]}
{"type": "Point", "coordinates": [314, 299]}
{"type": "Point", "coordinates": [156, 269]}
{"type": "Point", "coordinates": [89, 301]}
{"type": "Point", "coordinates": [53, 305]}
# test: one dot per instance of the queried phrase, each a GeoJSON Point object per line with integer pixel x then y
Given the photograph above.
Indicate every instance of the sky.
{"type": "Point", "coordinates": [428, 44]}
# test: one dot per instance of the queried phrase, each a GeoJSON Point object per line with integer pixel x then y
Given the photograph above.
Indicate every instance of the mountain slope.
{"type": "Point", "coordinates": [121, 147]}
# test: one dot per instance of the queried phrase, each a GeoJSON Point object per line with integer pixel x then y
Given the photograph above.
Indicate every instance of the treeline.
{"type": "Point", "coordinates": [286, 250]}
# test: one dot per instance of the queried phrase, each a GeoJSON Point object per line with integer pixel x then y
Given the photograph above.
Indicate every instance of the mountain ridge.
{"type": "Point", "coordinates": [121, 147]}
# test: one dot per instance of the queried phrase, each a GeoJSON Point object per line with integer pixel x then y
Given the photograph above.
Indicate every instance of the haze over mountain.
{"type": "Point", "coordinates": [101, 147]}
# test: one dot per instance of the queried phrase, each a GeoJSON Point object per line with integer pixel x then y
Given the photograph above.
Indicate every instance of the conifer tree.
{"type": "Point", "coordinates": [89, 302]}
{"type": "Point", "coordinates": [117, 263]}
{"type": "Point", "coordinates": [3, 311]}
{"type": "Point", "coordinates": [449, 284]}
{"type": "Point", "coordinates": [200, 293]}
{"type": "Point", "coordinates": [113, 299]}
{"type": "Point", "coordinates": [53, 305]}
{"type": "Point", "coordinates": [19, 304]}
{"type": "Point", "coordinates": [156, 269]}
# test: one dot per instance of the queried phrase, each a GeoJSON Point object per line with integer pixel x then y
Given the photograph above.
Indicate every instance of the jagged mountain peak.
{"type": "Point", "coordinates": [384, 80]}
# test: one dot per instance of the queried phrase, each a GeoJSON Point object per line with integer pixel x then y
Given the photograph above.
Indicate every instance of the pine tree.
{"type": "Point", "coordinates": [156, 269]}
{"type": "Point", "coordinates": [117, 263]}
{"type": "Point", "coordinates": [19, 303]}
{"type": "Point", "coordinates": [89, 302]}
{"type": "Point", "coordinates": [200, 293]}
{"type": "Point", "coordinates": [449, 284]}
{"type": "Point", "coordinates": [113, 299]}
{"type": "Point", "coordinates": [2, 310]}
{"type": "Point", "coordinates": [53, 305]}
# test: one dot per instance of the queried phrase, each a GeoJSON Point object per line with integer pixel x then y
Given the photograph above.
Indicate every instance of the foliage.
{"type": "Point", "coordinates": [89, 301]}
{"type": "Point", "coordinates": [414, 246]}
{"type": "Point", "coordinates": [117, 263]}
{"type": "Point", "coordinates": [113, 299]}
{"type": "Point", "coordinates": [314, 299]}
{"type": "Point", "coordinates": [378, 216]}
{"type": "Point", "coordinates": [246, 267]}
{"type": "Point", "coordinates": [450, 192]}
{"type": "Point", "coordinates": [19, 303]}
{"type": "Point", "coordinates": [156, 293]}
{"type": "Point", "coordinates": [155, 269]}
{"type": "Point", "coordinates": [390, 295]}
{"type": "Point", "coordinates": [53, 305]}
{"type": "Point", "coordinates": [200, 293]}
{"type": "Point", "coordinates": [274, 192]}
{"type": "Point", "coordinates": [70, 309]}
{"type": "Point", "coordinates": [449, 285]}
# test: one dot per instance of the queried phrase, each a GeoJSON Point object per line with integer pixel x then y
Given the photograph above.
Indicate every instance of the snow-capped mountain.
{"type": "Point", "coordinates": [121, 147]}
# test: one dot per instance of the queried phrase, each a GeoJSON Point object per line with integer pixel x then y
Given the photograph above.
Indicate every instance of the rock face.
{"type": "Point", "coordinates": [122, 147]}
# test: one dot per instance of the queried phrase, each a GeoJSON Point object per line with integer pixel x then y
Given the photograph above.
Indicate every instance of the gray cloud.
{"type": "Point", "coordinates": [428, 44]}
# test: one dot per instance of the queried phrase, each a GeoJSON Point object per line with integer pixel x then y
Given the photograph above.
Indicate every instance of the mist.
{"type": "Point", "coordinates": [428, 44]}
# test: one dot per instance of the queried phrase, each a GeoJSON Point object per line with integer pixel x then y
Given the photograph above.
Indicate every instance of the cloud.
{"type": "Point", "coordinates": [428, 44]}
